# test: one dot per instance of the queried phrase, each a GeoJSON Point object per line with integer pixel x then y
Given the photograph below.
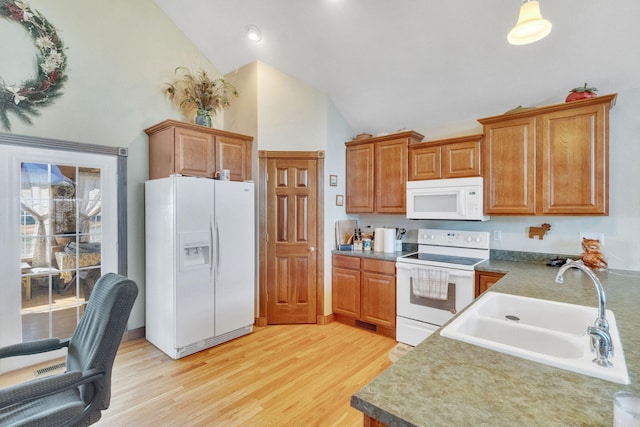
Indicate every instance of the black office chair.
{"type": "Point", "coordinates": [77, 396]}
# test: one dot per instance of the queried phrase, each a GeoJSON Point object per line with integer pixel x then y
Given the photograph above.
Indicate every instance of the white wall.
{"type": "Point", "coordinates": [286, 114]}
{"type": "Point", "coordinates": [621, 228]}
{"type": "Point", "coordinates": [338, 131]}
{"type": "Point", "coordinates": [242, 116]}
{"type": "Point", "coordinates": [120, 54]}
{"type": "Point", "coordinates": [292, 115]}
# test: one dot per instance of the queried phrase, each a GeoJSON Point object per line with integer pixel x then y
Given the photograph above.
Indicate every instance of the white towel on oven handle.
{"type": "Point", "coordinates": [430, 283]}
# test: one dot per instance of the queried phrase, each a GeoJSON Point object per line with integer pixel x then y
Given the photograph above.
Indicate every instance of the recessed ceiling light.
{"type": "Point", "coordinates": [254, 33]}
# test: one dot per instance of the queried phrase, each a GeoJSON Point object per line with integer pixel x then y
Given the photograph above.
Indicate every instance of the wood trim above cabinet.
{"type": "Point", "coordinates": [411, 136]}
{"type": "Point", "coordinates": [184, 125]}
{"type": "Point", "coordinates": [536, 111]}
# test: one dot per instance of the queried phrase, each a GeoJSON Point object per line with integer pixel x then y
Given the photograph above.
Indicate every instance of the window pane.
{"type": "Point", "coordinates": [61, 234]}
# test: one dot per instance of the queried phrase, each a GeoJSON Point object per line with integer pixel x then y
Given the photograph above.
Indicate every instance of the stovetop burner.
{"type": "Point", "coordinates": [461, 250]}
{"type": "Point", "coordinates": [444, 259]}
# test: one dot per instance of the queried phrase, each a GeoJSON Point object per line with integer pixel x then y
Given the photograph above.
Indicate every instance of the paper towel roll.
{"type": "Point", "coordinates": [378, 242]}
{"type": "Point", "coordinates": [389, 240]}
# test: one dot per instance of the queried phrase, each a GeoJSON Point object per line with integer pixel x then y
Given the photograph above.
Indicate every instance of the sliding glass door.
{"type": "Point", "coordinates": [59, 214]}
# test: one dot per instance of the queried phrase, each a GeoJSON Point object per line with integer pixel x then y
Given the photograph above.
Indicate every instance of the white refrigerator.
{"type": "Point", "coordinates": [200, 262]}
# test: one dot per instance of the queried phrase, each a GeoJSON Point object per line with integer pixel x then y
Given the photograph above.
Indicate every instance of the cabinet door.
{"type": "Point", "coordinates": [359, 183]}
{"type": "Point", "coordinates": [379, 299]}
{"type": "Point", "coordinates": [234, 154]}
{"type": "Point", "coordinates": [484, 280]}
{"type": "Point", "coordinates": [424, 163]}
{"type": "Point", "coordinates": [345, 292]}
{"type": "Point", "coordinates": [508, 153]}
{"type": "Point", "coordinates": [194, 153]}
{"type": "Point", "coordinates": [391, 176]}
{"type": "Point", "coordinates": [573, 155]}
{"type": "Point", "coordinates": [461, 159]}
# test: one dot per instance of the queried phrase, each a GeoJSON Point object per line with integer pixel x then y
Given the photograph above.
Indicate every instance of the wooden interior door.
{"type": "Point", "coordinates": [292, 255]}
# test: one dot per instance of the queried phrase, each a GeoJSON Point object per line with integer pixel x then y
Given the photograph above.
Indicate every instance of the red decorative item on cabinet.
{"type": "Point", "coordinates": [583, 92]}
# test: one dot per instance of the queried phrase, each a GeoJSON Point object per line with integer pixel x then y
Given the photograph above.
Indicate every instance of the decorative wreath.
{"type": "Point", "coordinates": [24, 98]}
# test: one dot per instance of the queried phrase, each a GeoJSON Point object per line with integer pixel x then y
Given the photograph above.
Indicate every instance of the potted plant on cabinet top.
{"type": "Point", "coordinates": [201, 93]}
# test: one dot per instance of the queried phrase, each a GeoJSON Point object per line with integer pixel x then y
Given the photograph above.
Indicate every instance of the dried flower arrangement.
{"type": "Point", "coordinates": [200, 93]}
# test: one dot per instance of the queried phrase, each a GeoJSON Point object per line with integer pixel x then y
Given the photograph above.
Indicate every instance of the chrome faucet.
{"type": "Point", "coordinates": [601, 342]}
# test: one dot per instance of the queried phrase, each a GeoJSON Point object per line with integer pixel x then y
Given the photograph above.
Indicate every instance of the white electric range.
{"type": "Point", "coordinates": [436, 282]}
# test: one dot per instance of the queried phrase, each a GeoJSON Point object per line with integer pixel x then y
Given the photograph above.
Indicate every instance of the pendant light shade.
{"type": "Point", "coordinates": [531, 27]}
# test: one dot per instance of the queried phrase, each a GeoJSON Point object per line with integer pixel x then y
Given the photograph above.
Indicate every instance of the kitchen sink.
{"type": "Point", "coordinates": [548, 332]}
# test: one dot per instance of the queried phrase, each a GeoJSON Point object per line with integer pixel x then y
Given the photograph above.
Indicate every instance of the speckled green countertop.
{"type": "Point", "coordinates": [447, 382]}
{"type": "Point", "coordinates": [407, 248]}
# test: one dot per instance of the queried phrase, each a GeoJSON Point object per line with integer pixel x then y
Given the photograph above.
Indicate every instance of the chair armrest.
{"type": "Point", "coordinates": [47, 386]}
{"type": "Point", "coordinates": [33, 347]}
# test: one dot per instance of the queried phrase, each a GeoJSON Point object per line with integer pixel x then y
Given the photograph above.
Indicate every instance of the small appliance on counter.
{"type": "Point", "coordinates": [344, 234]}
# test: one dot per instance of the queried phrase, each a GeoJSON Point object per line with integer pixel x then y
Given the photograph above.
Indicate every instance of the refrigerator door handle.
{"type": "Point", "coordinates": [211, 227]}
{"type": "Point", "coordinates": [217, 249]}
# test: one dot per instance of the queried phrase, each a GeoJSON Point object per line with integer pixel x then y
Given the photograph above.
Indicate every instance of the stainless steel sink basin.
{"type": "Point", "coordinates": [547, 332]}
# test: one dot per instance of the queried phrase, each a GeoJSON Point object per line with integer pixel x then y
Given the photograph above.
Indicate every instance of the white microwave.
{"type": "Point", "coordinates": [455, 198]}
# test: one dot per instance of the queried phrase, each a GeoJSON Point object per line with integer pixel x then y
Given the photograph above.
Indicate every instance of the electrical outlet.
{"type": "Point", "coordinates": [497, 234]}
{"type": "Point", "coordinates": [597, 236]}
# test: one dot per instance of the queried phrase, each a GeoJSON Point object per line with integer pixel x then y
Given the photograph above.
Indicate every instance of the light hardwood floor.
{"type": "Point", "coordinates": [286, 375]}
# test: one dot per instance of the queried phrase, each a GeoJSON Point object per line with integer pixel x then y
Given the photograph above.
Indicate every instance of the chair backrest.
{"type": "Point", "coordinates": [95, 342]}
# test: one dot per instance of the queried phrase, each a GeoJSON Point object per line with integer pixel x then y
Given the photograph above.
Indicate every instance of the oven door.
{"type": "Point", "coordinates": [432, 294]}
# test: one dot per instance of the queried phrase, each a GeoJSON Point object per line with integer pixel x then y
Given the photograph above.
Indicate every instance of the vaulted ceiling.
{"type": "Point", "coordinates": [415, 64]}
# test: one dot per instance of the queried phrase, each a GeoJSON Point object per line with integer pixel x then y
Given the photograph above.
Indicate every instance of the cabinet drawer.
{"type": "Point", "coordinates": [379, 266]}
{"type": "Point", "coordinates": [344, 261]}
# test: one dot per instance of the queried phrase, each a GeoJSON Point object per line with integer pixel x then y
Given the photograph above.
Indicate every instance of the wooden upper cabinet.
{"type": "Point", "coordinates": [377, 173]}
{"type": "Point", "coordinates": [359, 183]}
{"type": "Point", "coordinates": [549, 161]}
{"type": "Point", "coordinates": [194, 153]}
{"type": "Point", "coordinates": [188, 149]}
{"type": "Point", "coordinates": [573, 151]}
{"type": "Point", "coordinates": [447, 158]}
{"type": "Point", "coordinates": [424, 162]}
{"type": "Point", "coordinates": [234, 154]}
{"type": "Point", "coordinates": [391, 175]}
{"type": "Point", "coordinates": [508, 155]}
{"type": "Point", "coordinates": [461, 159]}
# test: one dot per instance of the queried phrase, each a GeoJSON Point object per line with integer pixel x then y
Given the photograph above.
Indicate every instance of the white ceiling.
{"type": "Point", "coordinates": [415, 64]}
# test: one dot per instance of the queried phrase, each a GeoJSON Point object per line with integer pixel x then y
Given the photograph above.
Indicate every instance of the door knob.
{"type": "Point", "coordinates": [312, 249]}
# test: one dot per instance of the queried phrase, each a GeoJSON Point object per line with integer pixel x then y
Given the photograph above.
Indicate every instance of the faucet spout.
{"type": "Point", "coordinates": [601, 321]}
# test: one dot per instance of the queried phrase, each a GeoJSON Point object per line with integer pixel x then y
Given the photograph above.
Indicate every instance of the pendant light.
{"type": "Point", "coordinates": [531, 27]}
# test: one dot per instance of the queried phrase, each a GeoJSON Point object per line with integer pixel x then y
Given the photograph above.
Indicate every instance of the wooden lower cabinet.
{"type": "Point", "coordinates": [364, 290]}
{"type": "Point", "coordinates": [486, 279]}
{"type": "Point", "coordinates": [367, 421]}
